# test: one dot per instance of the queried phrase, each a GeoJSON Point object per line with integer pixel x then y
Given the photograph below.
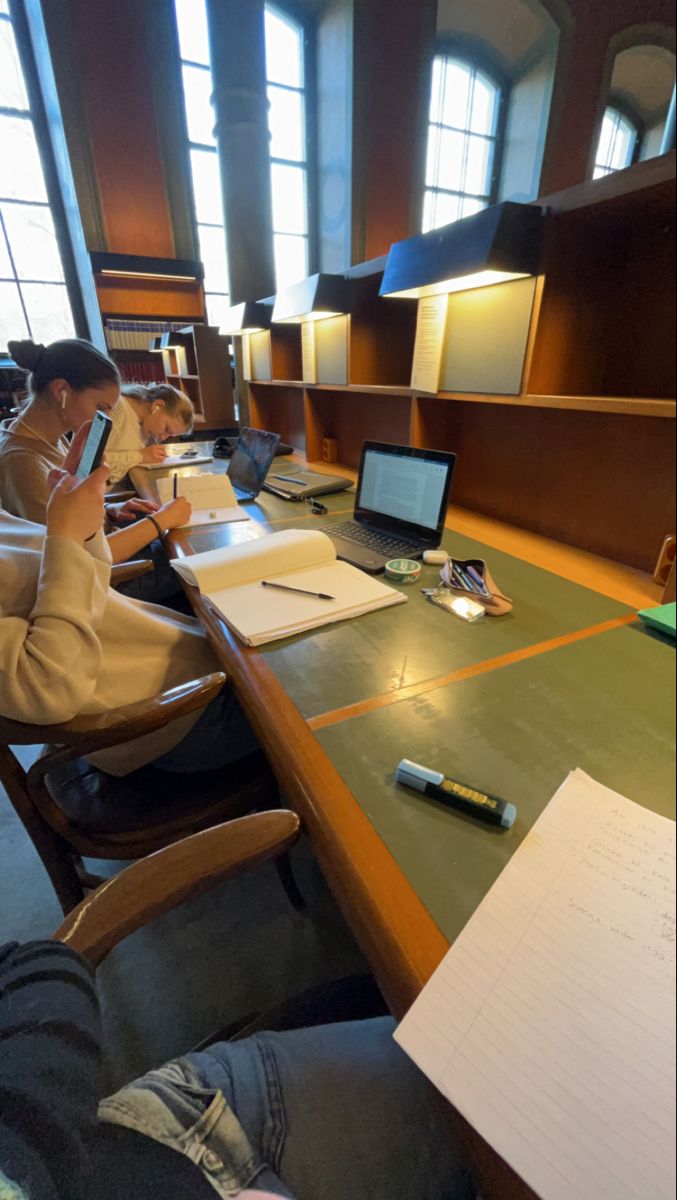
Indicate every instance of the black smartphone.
{"type": "Point", "coordinates": [92, 453]}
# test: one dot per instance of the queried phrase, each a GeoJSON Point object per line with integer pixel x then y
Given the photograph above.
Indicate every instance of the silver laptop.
{"type": "Point", "coordinates": [401, 506]}
{"type": "Point", "coordinates": [250, 462]}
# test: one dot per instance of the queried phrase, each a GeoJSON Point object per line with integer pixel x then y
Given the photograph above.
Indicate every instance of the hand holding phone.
{"type": "Point", "coordinates": [92, 453]}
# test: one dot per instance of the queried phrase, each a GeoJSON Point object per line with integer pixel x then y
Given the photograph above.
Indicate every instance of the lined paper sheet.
{"type": "Point", "coordinates": [550, 1024]}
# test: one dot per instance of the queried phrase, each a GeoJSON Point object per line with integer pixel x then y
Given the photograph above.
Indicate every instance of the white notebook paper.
{"type": "Point", "coordinates": [231, 578]}
{"type": "Point", "coordinates": [176, 460]}
{"type": "Point", "coordinates": [550, 1024]}
{"type": "Point", "coordinates": [211, 496]}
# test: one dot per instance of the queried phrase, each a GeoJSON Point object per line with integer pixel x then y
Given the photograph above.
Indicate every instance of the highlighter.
{"type": "Point", "coordinates": [457, 795]}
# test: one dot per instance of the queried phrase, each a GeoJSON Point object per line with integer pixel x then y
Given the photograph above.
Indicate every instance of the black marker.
{"type": "Point", "coordinates": [456, 795]}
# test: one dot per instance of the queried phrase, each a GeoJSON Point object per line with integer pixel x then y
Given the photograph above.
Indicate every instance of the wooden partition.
{"type": "Point", "coordinates": [581, 447]}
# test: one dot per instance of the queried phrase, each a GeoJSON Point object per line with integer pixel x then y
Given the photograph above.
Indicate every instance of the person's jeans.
{"type": "Point", "coordinates": [336, 1112]}
{"type": "Point", "coordinates": [221, 735]}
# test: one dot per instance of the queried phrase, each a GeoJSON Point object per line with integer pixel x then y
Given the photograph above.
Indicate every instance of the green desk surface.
{"type": "Point", "coordinates": [384, 651]}
{"type": "Point", "coordinates": [606, 704]}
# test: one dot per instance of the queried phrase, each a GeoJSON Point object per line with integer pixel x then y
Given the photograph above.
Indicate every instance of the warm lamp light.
{"type": "Point", "coordinates": [165, 341]}
{"type": "Point", "coordinates": [494, 246]}
{"type": "Point", "coordinates": [314, 299]}
{"type": "Point", "coordinates": [249, 317]}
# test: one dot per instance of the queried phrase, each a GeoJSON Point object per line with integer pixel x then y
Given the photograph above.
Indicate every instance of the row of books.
{"type": "Point", "coordinates": [135, 335]}
{"type": "Point", "coordinates": [149, 371]}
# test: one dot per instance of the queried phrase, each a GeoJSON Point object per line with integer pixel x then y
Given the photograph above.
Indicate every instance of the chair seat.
{"type": "Point", "coordinates": [149, 798]}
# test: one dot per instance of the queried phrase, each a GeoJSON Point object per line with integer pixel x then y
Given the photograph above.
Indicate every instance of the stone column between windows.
{"type": "Point", "coordinates": [237, 46]}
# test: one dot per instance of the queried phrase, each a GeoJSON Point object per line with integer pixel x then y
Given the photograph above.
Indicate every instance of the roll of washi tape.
{"type": "Point", "coordinates": [403, 570]}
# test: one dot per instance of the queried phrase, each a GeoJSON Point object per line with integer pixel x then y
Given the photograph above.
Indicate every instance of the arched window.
{"type": "Point", "coordinates": [617, 143]}
{"type": "Point", "coordinates": [33, 296]}
{"type": "Point", "coordinates": [462, 142]}
{"type": "Point", "coordinates": [286, 76]}
{"type": "Point", "coordinates": [191, 19]}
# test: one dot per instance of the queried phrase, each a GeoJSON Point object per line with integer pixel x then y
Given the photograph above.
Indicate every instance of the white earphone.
{"type": "Point", "coordinates": [64, 397]}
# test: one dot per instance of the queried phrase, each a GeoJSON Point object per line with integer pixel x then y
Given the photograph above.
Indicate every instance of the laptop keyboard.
{"type": "Point", "coordinates": [381, 543]}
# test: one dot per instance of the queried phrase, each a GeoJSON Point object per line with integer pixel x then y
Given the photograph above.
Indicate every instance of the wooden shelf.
{"type": "Point", "coordinates": [629, 405]}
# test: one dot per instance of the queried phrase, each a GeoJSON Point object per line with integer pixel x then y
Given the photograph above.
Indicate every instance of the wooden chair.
{"type": "Point", "coordinates": [70, 809]}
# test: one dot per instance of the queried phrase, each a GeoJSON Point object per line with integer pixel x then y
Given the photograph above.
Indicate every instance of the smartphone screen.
{"type": "Point", "coordinates": [95, 445]}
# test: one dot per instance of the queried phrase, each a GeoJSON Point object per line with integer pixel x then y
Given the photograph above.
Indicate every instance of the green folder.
{"type": "Point", "coordinates": [662, 618]}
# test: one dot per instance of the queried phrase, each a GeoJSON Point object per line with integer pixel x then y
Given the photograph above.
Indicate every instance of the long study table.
{"type": "Point", "coordinates": [510, 705]}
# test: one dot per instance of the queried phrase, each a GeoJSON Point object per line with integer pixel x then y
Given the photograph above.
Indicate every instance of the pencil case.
{"type": "Point", "coordinates": [471, 577]}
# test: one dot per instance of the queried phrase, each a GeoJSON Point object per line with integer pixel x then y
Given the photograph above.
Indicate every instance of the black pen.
{"type": "Point", "coordinates": [457, 795]}
{"type": "Point", "coordinates": [284, 587]}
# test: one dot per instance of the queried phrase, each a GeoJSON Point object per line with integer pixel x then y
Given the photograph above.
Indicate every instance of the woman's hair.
{"type": "Point", "coordinates": [177, 404]}
{"type": "Point", "coordinates": [72, 359]}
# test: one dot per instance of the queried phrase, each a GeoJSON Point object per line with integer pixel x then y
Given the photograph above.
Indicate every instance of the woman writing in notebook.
{"type": "Point", "coordinates": [145, 417]}
{"type": "Point", "coordinates": [70, 380]}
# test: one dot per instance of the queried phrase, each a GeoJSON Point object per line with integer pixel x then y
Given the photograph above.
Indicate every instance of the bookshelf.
{"type": "Point", "coordinates": [581, 447]}
{"type": "Point", "coordinates": [199, 365]}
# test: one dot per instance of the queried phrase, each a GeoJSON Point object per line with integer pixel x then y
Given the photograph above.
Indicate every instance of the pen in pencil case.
{"type": "Point", "coordinates": [456, 795]}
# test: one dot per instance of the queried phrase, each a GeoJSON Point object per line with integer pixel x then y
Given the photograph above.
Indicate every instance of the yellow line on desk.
{"type": "Point", "coordinates": [483, 668]}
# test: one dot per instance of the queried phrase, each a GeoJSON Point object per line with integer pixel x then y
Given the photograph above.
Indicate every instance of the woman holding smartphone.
{"type": "Point", "coordinates": [69, 644]}
{"type": "Point", "coordinates": [70, 381]}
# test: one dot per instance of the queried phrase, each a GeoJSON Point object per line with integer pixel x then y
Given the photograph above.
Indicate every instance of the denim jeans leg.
{"type": "Point", "coordinates": [340, 1113]}
{"type": "Point", "coordinates": [221, 736]}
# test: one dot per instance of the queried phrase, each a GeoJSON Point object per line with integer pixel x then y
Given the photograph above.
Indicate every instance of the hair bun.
{"type": "Point", "coordinates": [26, 354]}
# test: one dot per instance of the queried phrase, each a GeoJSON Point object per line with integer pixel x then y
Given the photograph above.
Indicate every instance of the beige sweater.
{"type": "Point", "coordinates": [71, 645]}
{"type": "Point", "coordinates": [125, 445]}
{"type": "Point", "coordinates": [25, 463]}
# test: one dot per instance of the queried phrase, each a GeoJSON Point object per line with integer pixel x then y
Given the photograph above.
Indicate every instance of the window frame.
{"type": "Point", "coordinates": [55, 204]}
{"type": "Point", "coordinates": [474, 55]}
{"type": "Point", "coordinates": [620, 106]}
{"type": "Point", "coordinates": [296, 14]}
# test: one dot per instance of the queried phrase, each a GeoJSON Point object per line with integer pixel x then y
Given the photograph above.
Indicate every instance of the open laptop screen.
{"type": "Point", "coordinates": [251, 459]}
{"type": "Point", "coordinates": [403, 487]}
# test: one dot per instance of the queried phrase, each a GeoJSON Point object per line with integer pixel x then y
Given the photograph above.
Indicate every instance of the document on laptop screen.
{"type": "Point", "coordinates": [407, 489]}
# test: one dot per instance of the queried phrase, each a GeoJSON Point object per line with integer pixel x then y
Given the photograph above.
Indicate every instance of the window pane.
{"type": "Point", "coordinates": [4, 6]}
{"type": "Point", "coordinates": [439, 209]}
{"type": "Point", "coordinates": [48, 311]}
{"type": "Point", "coordinates": [450, 162]}
{"type": "Point", "coordinates": [456, 101]}
{"type": "Point", "coordinates": [6, 271]}
{"type": "Point", "coordinates": [12, 320]}
{"type": "Point", "coordinates": [191, 18]}
{"type": "Point", "coordinates": [624, 145]}
{"type": "Point", "coordinates": [286, 124]}
{"type": "Point", "coordinates": [436, 91]}
{"type": "Point", "coordinates": [12, 89]}
{"type": "Point", "coordinates": [477, 166]}
{"type": "Point", "coordinates": [206, 186]}
{"type": "Point", "coordinates": [213, 255]}
{"type": "Point", "coordinates": [30, 230]}
{"type": "Point", "coordinates": [284, 50]}
{"type": "Point", "coordinates": [197, 90]}
{"type": "Point", "coordinates": [470, 206]}
{"type": "Point", "coordinates": [217, 308]}
{"type": "Point", "coordinates": [606, 138]}
{"type": "Point", "coordinates": [21, 175]}
{"type": "Point", "coordinates": [291, 259]}
{"type": "Point", "coordinates": [289, 199]}
{"type": "Point", "coordinates": [484, 106]}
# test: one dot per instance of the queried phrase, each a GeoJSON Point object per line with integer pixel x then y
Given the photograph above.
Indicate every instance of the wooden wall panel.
{"type": "Point", "coordinates": [605, 483]}
{"type": "Point", "coordinates": [280, 410]}
{"type": "Point", "coordinates": [352, 418]}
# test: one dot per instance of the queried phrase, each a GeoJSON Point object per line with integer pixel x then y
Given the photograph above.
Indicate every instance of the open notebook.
{"type": "Point", "coordinates": [295, 559]}
{"type": "Point", "coordinates": [550, 1022]}
{"type": "Point", "coordinates": [211, 496]}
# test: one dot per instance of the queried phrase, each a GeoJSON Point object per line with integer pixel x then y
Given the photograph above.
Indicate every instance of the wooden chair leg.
{"type": "Point", "coordinates": [285, 872]}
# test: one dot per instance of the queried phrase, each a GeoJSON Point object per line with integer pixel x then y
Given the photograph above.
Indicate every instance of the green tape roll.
{"type": "Point", "coordinates": [403, 570]}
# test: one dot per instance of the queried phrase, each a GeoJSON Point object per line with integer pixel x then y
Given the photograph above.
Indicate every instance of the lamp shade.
{"type": "Point", "coordinates": [249, 317]}
{"type": "Point", "coordinates": [312, 299]}
{"type": "Point", "coordinates": [493, 246]}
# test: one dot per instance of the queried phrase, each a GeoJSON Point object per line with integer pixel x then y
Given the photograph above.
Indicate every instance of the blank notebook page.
{"type": "Point", "coordinates": [550, 1024]}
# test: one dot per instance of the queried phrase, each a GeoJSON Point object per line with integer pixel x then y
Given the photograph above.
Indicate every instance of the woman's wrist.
{"type": "Point", "coordinates": [159, 530]}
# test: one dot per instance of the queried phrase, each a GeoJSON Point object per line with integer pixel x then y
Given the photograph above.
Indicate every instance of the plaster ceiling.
{"type": "Point", "coordinates": [645, 77]}
{"type": "Point", "coordinates": [511, 28]}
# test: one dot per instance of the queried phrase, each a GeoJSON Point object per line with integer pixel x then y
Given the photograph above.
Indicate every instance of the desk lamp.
{"type": "Point", "coordinates": [313, 299]}
{"type": "Point", "coordinates": [252, 316]}
{"type": "Point", "coordinates": [493, 246]}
